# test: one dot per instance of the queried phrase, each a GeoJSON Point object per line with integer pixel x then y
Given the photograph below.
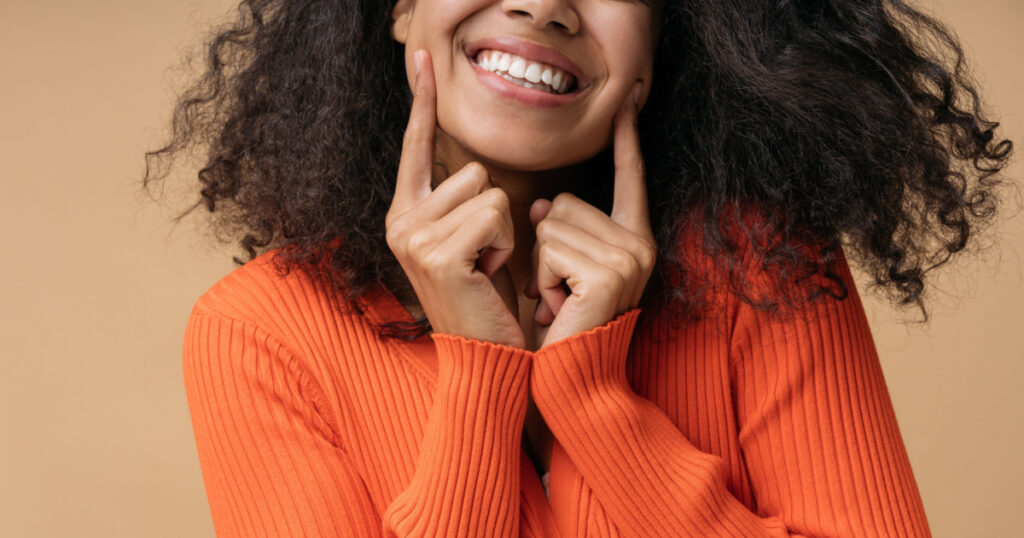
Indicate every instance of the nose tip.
{"type": "Point", "coordinates": [544, 12]}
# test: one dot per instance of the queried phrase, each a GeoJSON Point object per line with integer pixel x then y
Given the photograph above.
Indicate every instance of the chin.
{"type": "Point", "coordinates": [528, 163]}
{"type": "Point", "coordinates": [527, 157]}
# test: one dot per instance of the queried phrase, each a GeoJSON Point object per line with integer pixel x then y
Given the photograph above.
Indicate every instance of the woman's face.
{"type": "Point", "coordinates": [593, 50]}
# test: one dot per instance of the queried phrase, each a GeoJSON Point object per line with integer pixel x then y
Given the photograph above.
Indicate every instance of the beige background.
{"type": "Point", "coordinates": [96, 288]}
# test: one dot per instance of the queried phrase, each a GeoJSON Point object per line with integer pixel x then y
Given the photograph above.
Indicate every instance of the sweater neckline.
{"type": "Point", "coordinates": [382, 306]}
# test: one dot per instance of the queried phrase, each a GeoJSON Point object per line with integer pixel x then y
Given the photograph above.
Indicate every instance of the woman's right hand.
{"type": "Point", "coordinates": [454, 240]}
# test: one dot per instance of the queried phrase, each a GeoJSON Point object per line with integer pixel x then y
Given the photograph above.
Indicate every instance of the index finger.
{"type": "Point", "coordinates": [417, 160]}
{"type": "Point", "coordinates": [629, 208]}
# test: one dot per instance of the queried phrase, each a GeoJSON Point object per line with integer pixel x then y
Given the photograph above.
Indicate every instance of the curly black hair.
{"type": "Point", "coordinates": [780, 133]}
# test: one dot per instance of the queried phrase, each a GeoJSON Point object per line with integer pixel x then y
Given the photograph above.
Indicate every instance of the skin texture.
{"type": "Point", "coordinates": [774, 134]}
{"type": "Point", "coordinates": [755, 155]}
{"type": "Point", "coordinates": [494, 141]}
{"type": "Point", "coordinates": [612, 42]}
{"type": "Point", "coordinates": [457, 242]}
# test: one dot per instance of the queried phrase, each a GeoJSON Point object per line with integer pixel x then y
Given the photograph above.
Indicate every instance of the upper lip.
{"type": "Point", "coordinates": [530, 51]}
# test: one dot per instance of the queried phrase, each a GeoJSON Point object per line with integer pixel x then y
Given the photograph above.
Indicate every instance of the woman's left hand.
{"type": "Point", "coordinates": [605, 261]}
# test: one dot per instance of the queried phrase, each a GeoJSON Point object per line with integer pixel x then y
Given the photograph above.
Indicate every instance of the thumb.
{"type": "Point", "coordinates": [538, 210]}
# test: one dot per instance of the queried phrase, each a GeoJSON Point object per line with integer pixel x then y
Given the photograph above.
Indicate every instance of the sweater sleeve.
{"type": "Point", "coordinates": [270, 462]}
{"type": "Point", "coordinates": [467, 475]}
{"type": "Point", "coordinates": [815, 425]}
{"type": "Point", "coordinates": [273, 467]}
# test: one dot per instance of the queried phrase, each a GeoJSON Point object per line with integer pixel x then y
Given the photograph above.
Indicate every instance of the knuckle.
{"type": "Point", "coordinates": [613, 280]}
{"type": "Point", "coordinates": [476, 170]}
{"type": "Point", "coordinates": [479, 176]}
{"type": "Point", "coordinates": [562, 202]}
{"type": "Point", "coordinates": [545, 249]}
{"type": "Point", "coordinates": [625, 262]}
{"type": "Point", "coordinates": [418, 243]}
{"type": "Point", "coordinates": [434, 262]}
{"type": "Point", "coordinates": [648, 255]}
{"type": "Point", "coordinates": [498, 197]}
{"type": "Point", "coordinates": [392, 240]}
{"type": "Point", "coordinates": [394, 232]}
{"type": "Point", "coordinates": [491, 216]}
{"type": "Point", "coordinates": [544, 227]}
{"type": "Point", "coordinates": [562, 198]}
{"type": "Point", "coordinates": [474, 175]}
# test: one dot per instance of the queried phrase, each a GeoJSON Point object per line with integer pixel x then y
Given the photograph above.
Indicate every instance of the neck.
{"type": "Point", "coordinates": [522, 187]}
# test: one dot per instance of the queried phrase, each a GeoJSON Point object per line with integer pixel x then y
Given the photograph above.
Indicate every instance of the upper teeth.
{"type": "Point", "coordinates": [540, 76]}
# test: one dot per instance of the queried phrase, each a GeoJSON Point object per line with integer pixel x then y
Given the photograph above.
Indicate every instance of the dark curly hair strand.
{"type": "Point", "coordinates": [776, 134]}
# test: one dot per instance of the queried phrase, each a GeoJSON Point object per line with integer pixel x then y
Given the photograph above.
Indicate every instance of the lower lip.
{"type": "Point", "coordinates": [521, 94]}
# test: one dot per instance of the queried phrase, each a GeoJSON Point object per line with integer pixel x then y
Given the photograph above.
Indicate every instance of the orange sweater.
{"type": "Point", "coordinates": [307, 424]}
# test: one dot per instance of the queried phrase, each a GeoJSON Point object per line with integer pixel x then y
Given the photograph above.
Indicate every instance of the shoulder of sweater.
{"type": "Point", "coordinates": [260, 295]}
{"type": "Point", "coordinates": [758, 279]}
{"type": "Point", "coordinates": [288, 317]}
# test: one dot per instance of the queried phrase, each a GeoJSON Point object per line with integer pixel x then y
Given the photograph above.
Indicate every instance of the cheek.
{"type": "Point", "coordinates": [436, 22]}
{"type": "Point", "coordinates": [637, 57]}
{"type": "Point", "coordinates": [627, 41]}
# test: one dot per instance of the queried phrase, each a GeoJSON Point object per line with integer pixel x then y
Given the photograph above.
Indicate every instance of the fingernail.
{"type": "Point", "coordinates": [416, 61]}
{"type": "Point", "coordinates": [636, 93]}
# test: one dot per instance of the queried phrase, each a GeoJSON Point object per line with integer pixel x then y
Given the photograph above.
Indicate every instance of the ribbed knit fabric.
{"type": "Point", "coordinates": [308, 424]}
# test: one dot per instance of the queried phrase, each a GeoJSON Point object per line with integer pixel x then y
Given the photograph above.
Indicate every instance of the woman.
{"type": "Point", "coordinates": [507, 320]}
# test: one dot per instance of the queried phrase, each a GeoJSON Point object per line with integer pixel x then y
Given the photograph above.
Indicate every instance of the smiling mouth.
{"type": "Point", "coordinates": [526, 73]}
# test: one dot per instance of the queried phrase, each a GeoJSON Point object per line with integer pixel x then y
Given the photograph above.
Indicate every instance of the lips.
{"type": "Point", "coordinates": [530, 51]}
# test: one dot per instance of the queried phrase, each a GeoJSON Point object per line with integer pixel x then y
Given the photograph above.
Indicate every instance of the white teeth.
{"type": "Point", "coordinates": [524, 73]}
{"type": "Point", "coordinates": [518, 68]}
{"type": "Point", "coordinates": [532, 73]}
{"type": "Point", "coordinates": [521, 82]}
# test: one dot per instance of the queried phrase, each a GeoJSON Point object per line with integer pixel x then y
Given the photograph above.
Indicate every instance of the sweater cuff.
{"type": "Point", "coordinates": [495, 374]}
{"type": "Point", "coordinates": [588, 363]}
{"type": "Point", "coordinates": [467, 479]}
